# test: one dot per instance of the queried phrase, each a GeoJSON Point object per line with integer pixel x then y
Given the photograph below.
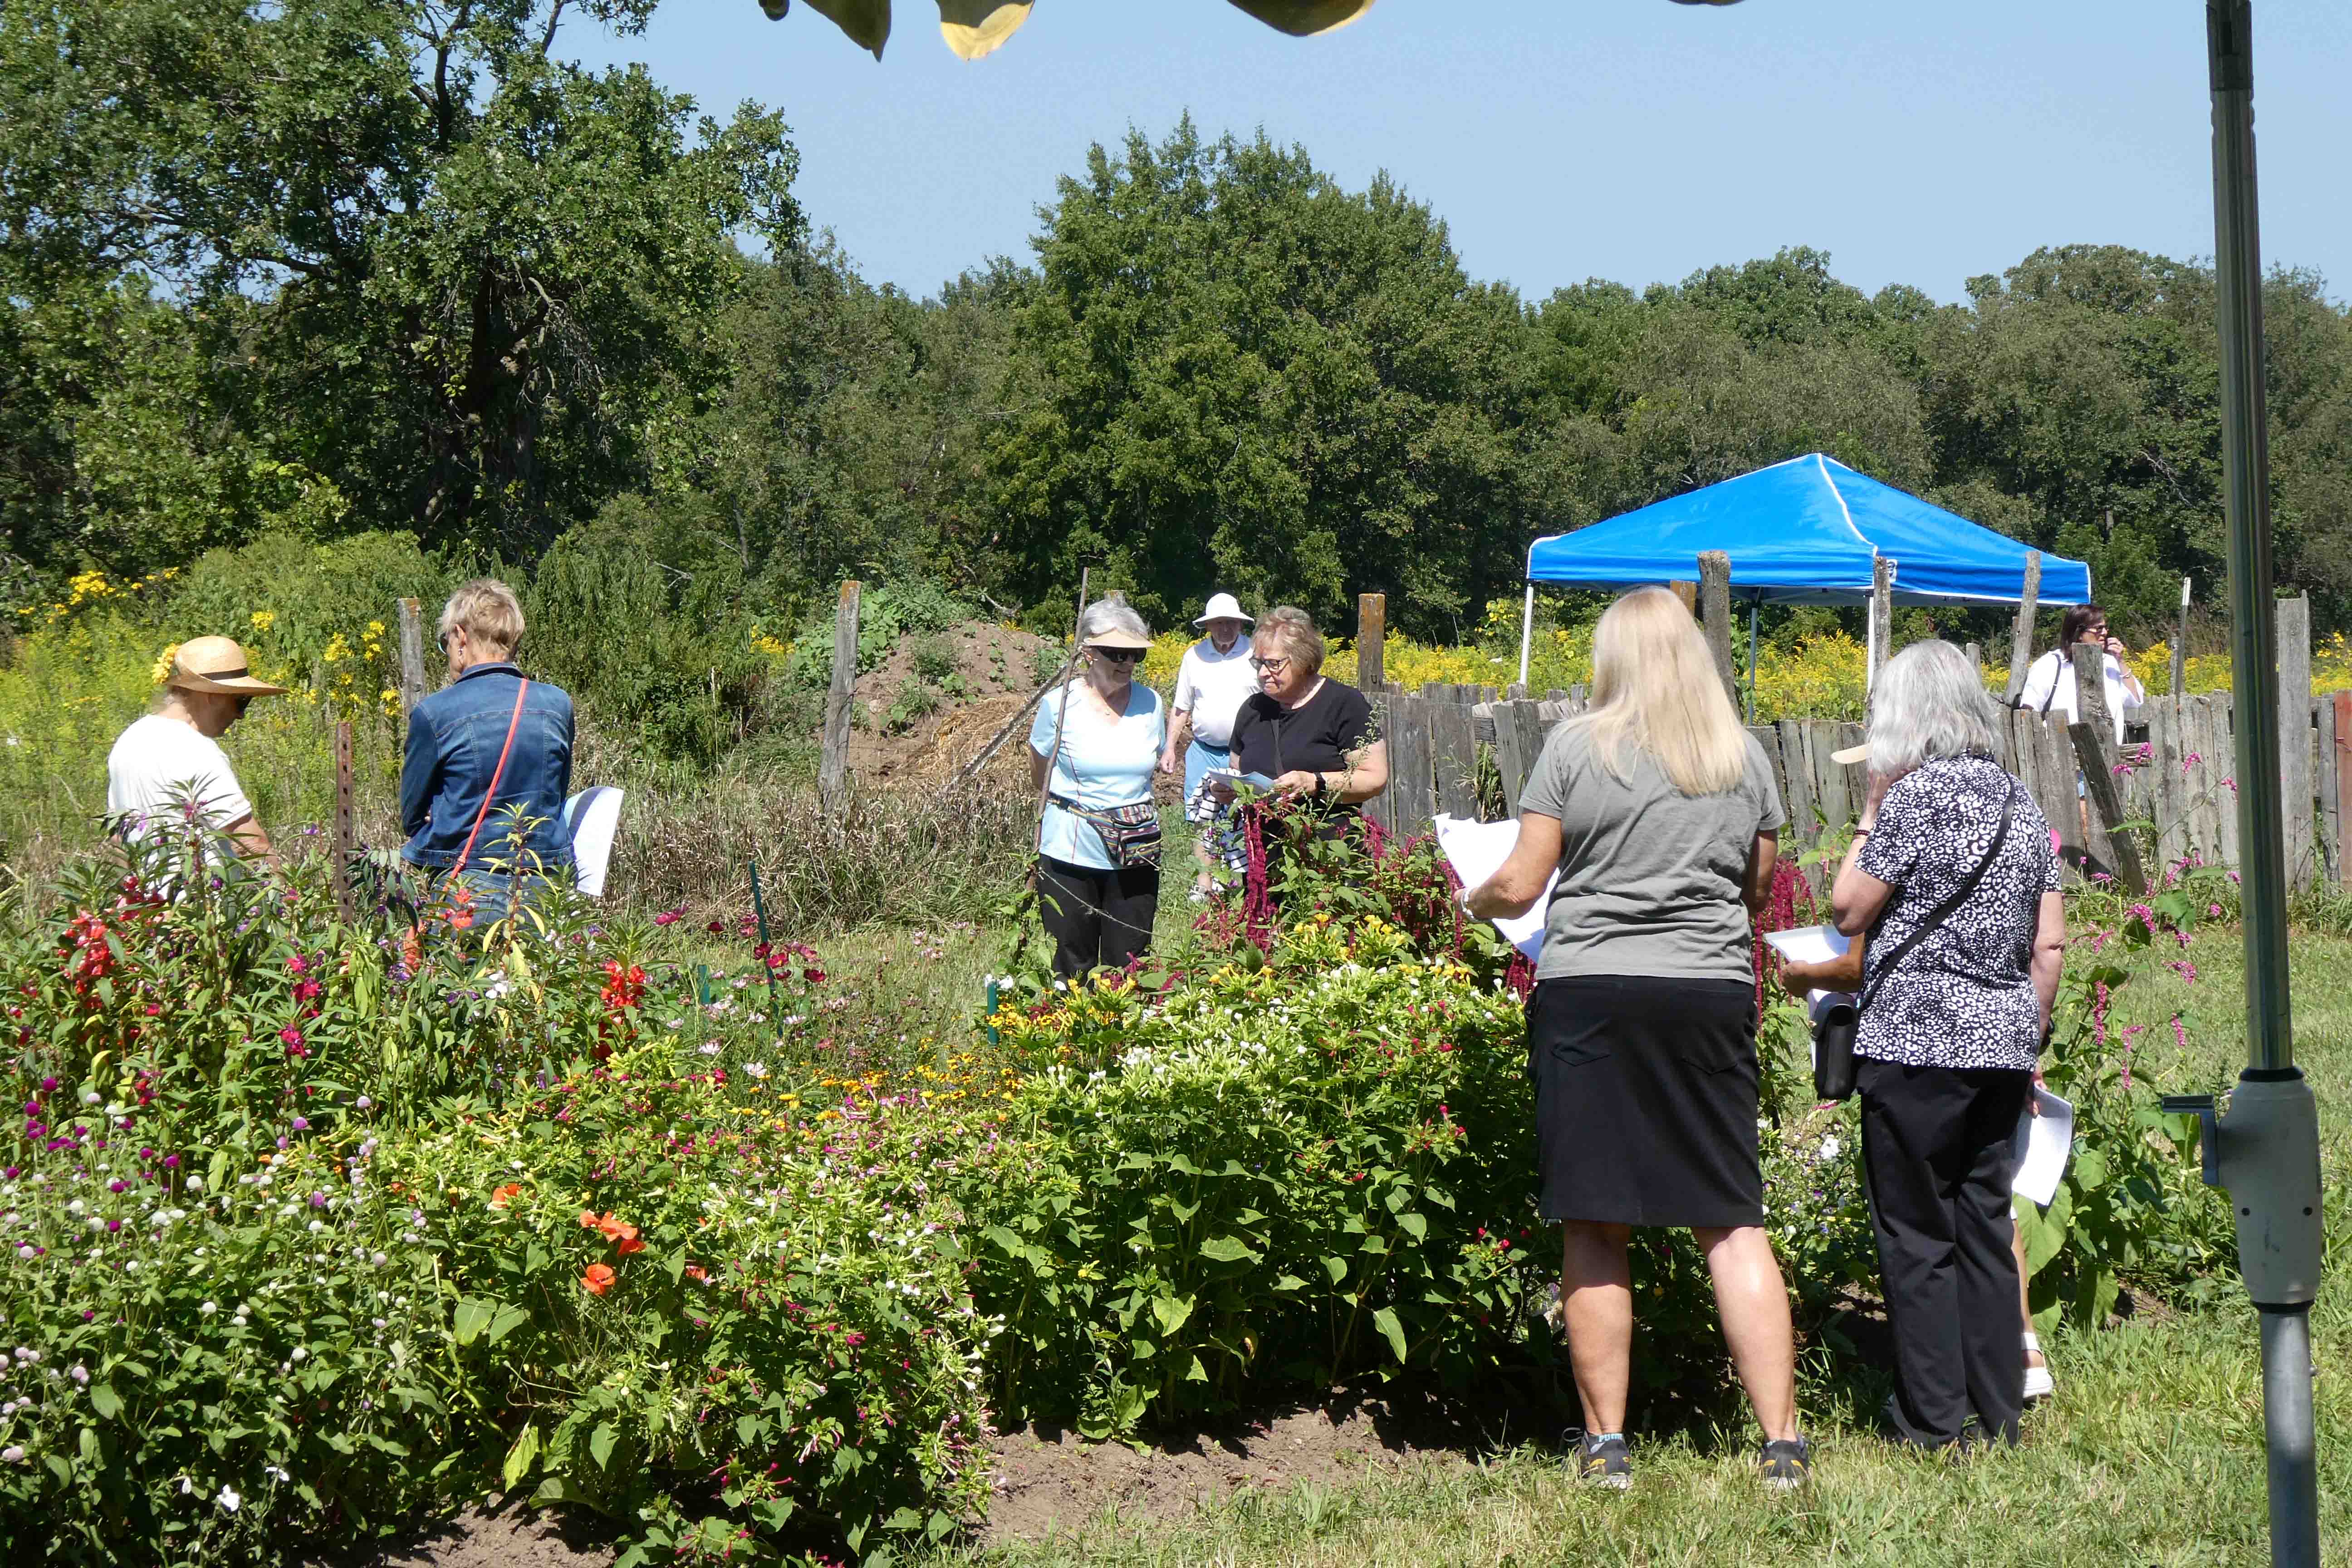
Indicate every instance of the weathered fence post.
{"type": "Point", "coordinates": [1976, 660]}
{"type": "Point", "coordinates": [840, 697]}
{"type": "Point", "coordinates": [1372, 641]}
{"type": "Point", "coordinates": [2295, 733]}
{"type": "Point", "coordinates": [2181, 644]}
{"type": "Point", "coordinates": [2094, 734]}
{"type": "Point", "coordinates": [2020, 640]}
{"type": "Point", "coordinates": [411, 617]}
{"type": "Point", "coordinates": [1715, 606]}
{"type": "Point", "coordinates": [339, 844]}
{"type": "Point", "coordinates": [2342, 765]}
{"type": "Point", "coordinates": [1882, 618]}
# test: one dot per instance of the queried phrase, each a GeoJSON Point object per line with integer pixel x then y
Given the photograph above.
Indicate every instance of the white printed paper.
{"type": "Point", "coordinates": [1477, 850]}
{"type": "Point", "coordinates": [592, 817]}
{"type": "Point", "coordinates": [2044, 1143]}
{"type": "Point", "coordinates": [1809, 944]}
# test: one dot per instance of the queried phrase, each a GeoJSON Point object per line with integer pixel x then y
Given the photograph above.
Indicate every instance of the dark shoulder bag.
{"type": "Point", "coordinates": [1834, 1034]}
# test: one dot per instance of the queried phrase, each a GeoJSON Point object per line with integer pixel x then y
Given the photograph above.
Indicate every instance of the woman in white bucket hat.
{"type": "Point", "coordinates": [168, 766]}
{"type": "Point", "coordinates": [1211, 683]}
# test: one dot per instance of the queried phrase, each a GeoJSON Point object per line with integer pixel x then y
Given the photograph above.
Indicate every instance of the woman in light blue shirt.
{"type": "Point", "coordinates": [1099, 738]}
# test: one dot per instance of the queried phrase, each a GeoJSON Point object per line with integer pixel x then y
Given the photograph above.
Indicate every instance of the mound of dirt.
{"type": "Point", "coordinates": [991, 675]}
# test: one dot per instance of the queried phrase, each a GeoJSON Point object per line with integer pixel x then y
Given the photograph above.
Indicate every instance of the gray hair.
{"type": "Point", "coordinates": [1110, 616]}
{"type": "Point", "coordinates": [1291, 629]}
{"type": "Point", "coordinates": [1930, 702]}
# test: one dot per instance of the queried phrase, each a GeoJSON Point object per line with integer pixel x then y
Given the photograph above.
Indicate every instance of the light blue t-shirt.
{"type": "Point", "coordinates": [1100, 765]}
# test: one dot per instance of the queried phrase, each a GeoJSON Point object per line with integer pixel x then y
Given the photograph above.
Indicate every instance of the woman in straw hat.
{"type": "Point", "coordinates": [1093, 748]}
{"type": "Point", "coordinates": [168, 767]}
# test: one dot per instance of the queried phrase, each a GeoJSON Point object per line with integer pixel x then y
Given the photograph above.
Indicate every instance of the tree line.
{"type": "Point", "coordinates": [323, 268]}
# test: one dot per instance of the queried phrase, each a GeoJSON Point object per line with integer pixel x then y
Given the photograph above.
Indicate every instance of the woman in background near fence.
{"type": "Point", "coordinates": [1092, 748]}
{"type": "Point", "coordinates": [2051, 682]}
{"type": "Point", "coordinates": [1308, 734]}
{"type": "Point", "coordinates": [1211, 683]}
{"type": "Point", "coordinates": [1660, 817]}
{"type": "Point", "coordinates": [1952, 874]}
{"type": "Point", "coordinates": [487, 764]}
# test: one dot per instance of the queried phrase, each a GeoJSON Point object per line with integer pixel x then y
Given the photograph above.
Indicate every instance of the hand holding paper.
{"type": "Point", "coordinates": [1477, 850]}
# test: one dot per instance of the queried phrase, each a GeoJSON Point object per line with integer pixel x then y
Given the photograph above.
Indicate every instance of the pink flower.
{"type": "Point", "coordinates": [295, 965]}
{"type": "Point", "coordinates": [670, 917]}
{"type": "Point", "coordinates": [292, 1036]}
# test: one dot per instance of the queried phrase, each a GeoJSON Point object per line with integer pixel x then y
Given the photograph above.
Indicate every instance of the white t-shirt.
{"type": "Point", "coordinates": [1212, 686]}
{"type": "Point", "coordinates": [2050, 689]}
{"type": "Point", "coordinates": [158, 763]}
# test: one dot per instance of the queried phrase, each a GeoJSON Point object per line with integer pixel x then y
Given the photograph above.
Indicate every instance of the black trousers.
{"type": "Point", "coordinates": [1098, 918]}
{"type": "Point", "coordinates": [1937, 1143]}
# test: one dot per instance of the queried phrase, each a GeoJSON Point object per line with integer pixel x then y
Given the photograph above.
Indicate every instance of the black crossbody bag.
{"type": "Point", "coordinates": [1834, 1033]}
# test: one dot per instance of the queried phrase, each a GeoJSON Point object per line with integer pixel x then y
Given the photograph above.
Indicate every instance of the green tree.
{"type": "Point", "coordinates": [420, 257]}
{"type": "Point", "coordinates": [1237, 375]}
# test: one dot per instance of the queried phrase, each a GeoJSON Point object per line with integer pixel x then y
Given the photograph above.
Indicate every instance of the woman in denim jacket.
{"type": "Point", "coordinates": [474, 730]}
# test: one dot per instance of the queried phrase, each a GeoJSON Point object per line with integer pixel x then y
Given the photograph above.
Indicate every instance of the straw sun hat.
{"type": "Point", "coordinates": [216, 664]}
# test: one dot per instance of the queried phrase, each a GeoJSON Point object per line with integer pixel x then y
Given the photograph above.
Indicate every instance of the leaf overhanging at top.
{"type": "Point", "coordinates": [974, 28]}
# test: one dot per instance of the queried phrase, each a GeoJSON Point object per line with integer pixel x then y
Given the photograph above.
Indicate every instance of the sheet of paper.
{"type": "Point", "coordinates": [593, 817]}
{"type": "Point", "coordinates": [1236, 777]}
{"type": "Point", "coordinates": [1809, 944]}
{"type": "Point", "coordinates": [1477, 850]}
{"type": "Point", "coordinates": [2044, 1143]}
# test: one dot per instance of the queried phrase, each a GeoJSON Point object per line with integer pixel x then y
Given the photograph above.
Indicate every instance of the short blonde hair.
{"type": "Point", "coordinates": [1291, 629]}
{"type": "Point", "coordinates": [490, 613]}
{"type": "Point", "coordinates": [1654, 689]}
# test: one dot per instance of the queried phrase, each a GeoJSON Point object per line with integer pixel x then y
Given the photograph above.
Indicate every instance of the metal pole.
{"type": "Point", "coordinates": [2269, 1142]}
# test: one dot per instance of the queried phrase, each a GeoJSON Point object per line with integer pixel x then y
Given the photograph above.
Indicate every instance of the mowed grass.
{"type": "Point", "coordinates": [2152, 1453]}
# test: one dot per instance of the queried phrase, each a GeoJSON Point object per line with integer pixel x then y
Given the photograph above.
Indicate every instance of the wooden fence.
{"type": "Point", "coordinates": [2176, 774]}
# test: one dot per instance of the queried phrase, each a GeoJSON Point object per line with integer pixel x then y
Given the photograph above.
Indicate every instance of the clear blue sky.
{"type": "Point", "coordinates": [1916, 140]}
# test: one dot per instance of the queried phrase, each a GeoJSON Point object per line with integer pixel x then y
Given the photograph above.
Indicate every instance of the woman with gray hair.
{"type": "Point", "coordinates": [1093, 748]}
{"type": "Point", "coordinates": [1952, 874]}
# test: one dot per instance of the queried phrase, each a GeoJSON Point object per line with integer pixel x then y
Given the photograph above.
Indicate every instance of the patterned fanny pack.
{"type": "Point", "coordinates": [1129, 834]}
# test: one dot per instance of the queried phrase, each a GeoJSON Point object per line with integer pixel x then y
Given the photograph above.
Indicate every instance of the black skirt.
{"type": "Point", "coordinates": [1645, 1101]}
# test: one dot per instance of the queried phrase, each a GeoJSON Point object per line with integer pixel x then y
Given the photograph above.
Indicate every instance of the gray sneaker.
{"type": "Point", "coordinates": [1787, 1465]}
{"type": "Point", "coordinates": [1603, 1462]}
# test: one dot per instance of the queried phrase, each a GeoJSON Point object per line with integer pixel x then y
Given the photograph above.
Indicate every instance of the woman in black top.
{"type": "Point", "coordinates": [1311, 736]}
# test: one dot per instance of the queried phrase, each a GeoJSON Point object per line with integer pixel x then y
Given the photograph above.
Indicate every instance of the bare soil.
{"type": "Point", "coordinates": [493, 1535]}
{"type": "Point", "coordinates": [993, 665]}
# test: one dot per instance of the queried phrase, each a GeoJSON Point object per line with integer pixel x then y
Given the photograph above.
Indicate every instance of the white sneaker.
{"type": "Point", "coordinates": [2038, 1384]}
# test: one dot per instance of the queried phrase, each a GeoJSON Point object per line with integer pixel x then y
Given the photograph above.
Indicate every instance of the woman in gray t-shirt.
{"type": "Point", "coordinates": [1659, 814]}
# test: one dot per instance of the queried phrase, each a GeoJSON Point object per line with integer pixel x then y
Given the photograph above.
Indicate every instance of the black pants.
{"type": "Point", "coordinates": [1938, 1143]}
{"type": "Point", "coordinates": [1098, 918]}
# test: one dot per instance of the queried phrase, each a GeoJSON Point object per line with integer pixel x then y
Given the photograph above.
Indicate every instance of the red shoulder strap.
{"type": "Point", "coordinates": [496, 775]}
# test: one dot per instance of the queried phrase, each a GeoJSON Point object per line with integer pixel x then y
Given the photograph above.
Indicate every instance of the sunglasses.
{"type": "Point", "coordinates": [1117, 655]}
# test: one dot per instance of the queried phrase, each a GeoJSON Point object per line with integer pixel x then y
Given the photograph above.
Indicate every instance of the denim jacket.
{"type": "Point", "coordinates": [454, 737]}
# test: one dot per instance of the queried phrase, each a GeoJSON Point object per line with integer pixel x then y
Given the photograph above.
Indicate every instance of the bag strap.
{"type": "Point", "coordinates": [1959, 895]}
{"type": "Point", "coordinates": [2057, 673]}
{"type": "Point", "coordinates": [496, 775]}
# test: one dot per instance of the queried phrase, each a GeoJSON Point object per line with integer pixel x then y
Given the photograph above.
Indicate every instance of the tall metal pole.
{"type": "Point", "coordinates": [2268, 1144]}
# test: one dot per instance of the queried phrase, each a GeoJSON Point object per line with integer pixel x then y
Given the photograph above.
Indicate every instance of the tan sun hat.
{"type": "Point", "coordinates": [216, 664]}
{"type": "Point", "coordinates": [1851, 755]}
{"type": "Point", "coordinates": [1111, 636]}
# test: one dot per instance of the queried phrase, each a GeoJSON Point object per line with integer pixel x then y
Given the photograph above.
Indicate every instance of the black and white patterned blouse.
{"type": "Point", "coordinates": [1963, 997]}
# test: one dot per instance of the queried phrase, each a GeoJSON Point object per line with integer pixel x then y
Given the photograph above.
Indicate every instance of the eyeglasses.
{"type": "Point", "coordinates": [1269, 665]}
{"type": "Point", "coordinates": [1118, 654]}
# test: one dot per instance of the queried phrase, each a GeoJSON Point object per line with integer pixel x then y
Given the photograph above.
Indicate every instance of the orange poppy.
{"type": "Point", "coordinates": [506, 1195]}
{"type": "Point", "coordinates": [629, 1244]}
{"type": "Point", "coordinates": [598, 1279]}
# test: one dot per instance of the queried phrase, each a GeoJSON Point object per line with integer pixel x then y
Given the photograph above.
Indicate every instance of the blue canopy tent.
{"type": "Point", "coordinates": [1809, 531]}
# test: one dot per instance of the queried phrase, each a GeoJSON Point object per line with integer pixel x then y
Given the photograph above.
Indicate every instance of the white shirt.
{"type": "Point", "coordinates": [2050, 689]}
{"type": "Point", "coordinates": [1212, 686]}
{"type": "Point", "coordinates": [158, 763]}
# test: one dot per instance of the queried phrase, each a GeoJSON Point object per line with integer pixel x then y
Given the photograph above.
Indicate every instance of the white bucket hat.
{"type": "Point", "coordinates": [1224, 607]}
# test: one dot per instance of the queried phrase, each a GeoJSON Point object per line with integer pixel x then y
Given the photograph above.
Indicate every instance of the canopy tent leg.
{"type": "Point", "coordinates": [1752, 605]}
{"type": "Point", "coordinates": [1526, 634]}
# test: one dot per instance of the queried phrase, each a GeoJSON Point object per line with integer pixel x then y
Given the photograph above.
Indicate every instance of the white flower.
{"type": "Point", "coordinates": [13, 1454]}
{"type": "Point", "coordinates": [275, 1474]}
{"type": "Point", "coordinates": [379, 1258]}
{"type": "Point", "coordinates": [228, 1501]}
{"type": "Point", "coordinates": [208, 1309]}
{"type": "Point", "coordinates": [187, 1485]}
{"type": "Point", "coordinates": [1829, 1147]}
{"type": "Point", "coordinates": [301, 1354]}
{"type": "Point", "coordinates": [757, 1069]}
{"type": "Point", "coordinates": [89, 1097]}
{"type": "Point", "coordinates": [196, 1184]}
{"type": "Point", "coordinates": [81, 1375]}
{"type": "Point", "coordinates": [25, 1250]}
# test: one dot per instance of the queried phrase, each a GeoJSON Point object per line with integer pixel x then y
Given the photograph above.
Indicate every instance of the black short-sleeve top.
{"type": "Point", "coordinates": [1317, 735]}
{"type": "Point", "coordinates": [1963, 997]}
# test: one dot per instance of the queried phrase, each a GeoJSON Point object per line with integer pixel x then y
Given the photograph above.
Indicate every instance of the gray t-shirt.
{"type": "Point", "coordinates": [1649, 879]}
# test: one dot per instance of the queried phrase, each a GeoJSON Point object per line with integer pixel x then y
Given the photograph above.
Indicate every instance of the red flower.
{"type": "Point", "coordinates": [598, 1279]}
{"type": "Point", "coordinates": [506, 1195]}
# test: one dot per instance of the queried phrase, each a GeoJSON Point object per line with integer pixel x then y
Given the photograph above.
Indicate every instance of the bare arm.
{"type": "Point", "coordinates": [1856, 897]}
{"type": "Point", "coordinates": [1516, 886]}
{"type": "Point", "coordinates": [252, 843]}
{"type": "Point", "coordinates": [2049, 953]}
{"type": "Point", "coordinates": [1366, 776]}
{"type": "Point", "coordinates": [1755, 889]}
{"type": "Point", "coordinates": [1037, 768]}
{"type": "Point", "coordinates": [1180, 731]}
